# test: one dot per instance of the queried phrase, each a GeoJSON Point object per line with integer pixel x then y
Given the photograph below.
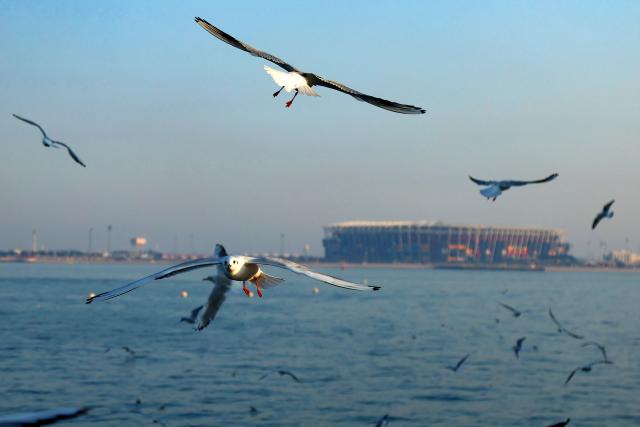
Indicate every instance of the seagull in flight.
{"type": "Point", "coordinates": [239, 268]}
{"type": "Point", "coordinates": [48, 142]}
{"type": "Point", "coordinates": [41, 418]}
{"type": "Point", "coordinates": [585, 368]}
{"type": "Point", "coordinates": [460, 362]}
{"type": "Point", "coordinates": [495, 188]}
{"type": "Point", "coordinates": [605, 213]}
{"type": "Point", "coordinates": [282, 373]}
{"type": "Point", "coordinates": [384, 421]}
{"type": "Point", "coordinates": [562, 329]}
{"type": "Point", "coordinates": [301, 82]}
{"type": "Point", "coordinates": [515, 312]}
{"type": "Point", "coordinates": [602, 349]}
{"type": "Point", "coordinates": [518, 347]}
{"type": "Point", "coordinates": [216, 297]}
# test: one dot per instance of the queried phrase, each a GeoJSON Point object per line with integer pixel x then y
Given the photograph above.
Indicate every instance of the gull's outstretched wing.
{"type": "Point", "coordinates": [195, 311]}
{"type": "Point", "coordinates": [597, 220]}
{"type": "Point", "coordinates": [301, 269]}
{"type": "Point", "coordinates": [314, 80]}
{"type": "Point", "coordinates": [42, 417]}
{"type": "Point", "coordinates": [600, 347]}
{"type": "Point", "coordinates": [555, 320]}
{"type": "Point", "coordinates": [572, 334]}
{"type": "Point", "coordinates": [607, 206]}
{"type": "Point", "coordinates": [167, 272]}
{"type": "Point", "coordinates": [562, 328]}
{"type": "Point", "coordinates": [537, 181]}
{"type": "Point", "coordinates": [216, 298]}
{"type": "Point", "coordinates": [462, 361]}
{"type": "Point", "coordinates": [571, 375]}
{"type": "Point", "coordinates": [481, 181]}
{"type": "Point", "coordinates": [73, 155]}
{"type": "Point", "coordinates": [227, 38]}
{"type": "Point", "coordinates": [31, 123]}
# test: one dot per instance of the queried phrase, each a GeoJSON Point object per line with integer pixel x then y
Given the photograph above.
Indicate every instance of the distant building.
{"type": "Point", "coordinates": [624, 258]}
{"type": "Point", "coordinates": [438, 243]}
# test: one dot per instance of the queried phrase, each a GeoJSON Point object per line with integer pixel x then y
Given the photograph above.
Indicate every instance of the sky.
{"type": "Point", "coordinates": [185, 145]}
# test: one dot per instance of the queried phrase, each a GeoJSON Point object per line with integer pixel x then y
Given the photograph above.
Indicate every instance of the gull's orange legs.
{"type": "Point", "coordinates": [244, 288]}
{"type": "Point", "coordinates": [288, 104]}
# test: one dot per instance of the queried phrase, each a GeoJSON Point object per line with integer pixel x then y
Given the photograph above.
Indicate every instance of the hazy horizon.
{"type": "Point", "coordinates": [182, 137]}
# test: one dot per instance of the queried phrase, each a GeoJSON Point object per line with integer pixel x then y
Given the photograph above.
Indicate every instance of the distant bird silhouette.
{"type": "Point", "coordinates": [602, 349]}
{"type": "Point", "coordinates": [253, 410]}
{"type": "Point", "coordinates": [495, 188]}
{"type": "Point", "coordinates": [128, 350]}
{"type": "Point", "coordinates": [585, 368]}
{"type": "Point", "coordinates": [518, 347]}
{"type": "Point", "coordinates": [605, 213]}
{"type": "Point", "coordinates": [562, 329]}
{"type": "Point", "coordinates": [561, 423]}
{"type": "Point", "coordinates": [384, 421]}
{"type": "Point", "coordinates": [48, 142]}
{"type": "Point", "coordinates": [460, 362]}
{"type": "Point", "coordinates": [194, 315]}
{"type": "Point", "coordinates": [282, 373]}
{"type": "Point", "coordinates": [300, 82]}
{"type": "Point", "coordinates": [41, 418]}
{"type": "Point", "coordinates": [515, 312]}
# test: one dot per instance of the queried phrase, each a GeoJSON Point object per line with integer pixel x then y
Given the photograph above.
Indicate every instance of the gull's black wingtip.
{"type": "Point", "coordinates": [90, 299]}
{"type": "Point", "coordinates": [377, 288]}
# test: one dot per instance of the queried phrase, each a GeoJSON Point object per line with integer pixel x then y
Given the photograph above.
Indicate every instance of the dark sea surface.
{"type": "Point", "coordinates": [358, 355]}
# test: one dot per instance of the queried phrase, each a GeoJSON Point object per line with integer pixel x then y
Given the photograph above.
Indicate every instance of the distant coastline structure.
{"type": "Point", "coordinates": [433, 242]}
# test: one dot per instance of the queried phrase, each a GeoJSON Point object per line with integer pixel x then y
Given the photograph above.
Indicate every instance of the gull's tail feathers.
{"type": "Point", "coordinates": [266, 281]}
{"type": "Point", "coordinates": [490, 192]}
{"type": "Point", "coordinates": [290, 81]}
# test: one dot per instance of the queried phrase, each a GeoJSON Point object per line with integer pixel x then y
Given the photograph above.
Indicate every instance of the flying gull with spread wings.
{"type": "Point", "coordinates": [586, 368]}
{"type": "Point", "coordinates": [495, 188]}
{"type": "Point", "coordinates": [48, 142]}
{"type": "Point", "coordinates": [300, 82]}
{"type": "Point", "coordinates": [562, 329]}
{"type": "Point", "coordinates": [239, 268]}
{"type": "Point", "coordinates": [605, 213]}
{"type": "Point", "coordinates": [460, 362]}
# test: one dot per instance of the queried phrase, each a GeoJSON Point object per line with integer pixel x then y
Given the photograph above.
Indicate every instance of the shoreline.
{"type": "Point", "coordinates": [346, 266]}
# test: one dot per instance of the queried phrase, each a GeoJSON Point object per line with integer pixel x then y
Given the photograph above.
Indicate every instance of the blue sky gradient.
{"type": "Point", "coordinates": [182, 138]}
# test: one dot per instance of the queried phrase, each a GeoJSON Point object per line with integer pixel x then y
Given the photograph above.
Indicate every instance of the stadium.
{"type": "Point", "coordinates": [430, 242]}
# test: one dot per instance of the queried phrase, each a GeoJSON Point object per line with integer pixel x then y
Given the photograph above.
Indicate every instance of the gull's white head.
{"type": "Point", "coordinates": [233, 265]}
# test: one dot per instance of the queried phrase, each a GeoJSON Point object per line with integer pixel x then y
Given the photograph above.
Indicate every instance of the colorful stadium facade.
{"type": "Point", "coordinates": [438, 243]}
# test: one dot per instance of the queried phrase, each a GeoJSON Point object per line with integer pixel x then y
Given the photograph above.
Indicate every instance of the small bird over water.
{"type": "Point", "coordinates": [282, 373]}
{"type": "Point", "coordinates": [239, 268]}
{"type": "Point", "coordinates": [585, 368]}
{"type": "Point", "coordinates": [300, 82]}
{"type": "Point", "coordinates": [605, 213]}
{"type": "Point", "coordinates": [562, 329]}
{"type": "Point", "coordinates": [518, 347]}
{"type": "Point", "coordinates": [460, 362]}
{"type": "Point", "coordinates": [495, 188]}
{"type": "Point", "coordinates": [515, 312]}
{"type": "Point", "coordinates": [48, 142]}
{"type": "Point", "coordinates": [384, 421]}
